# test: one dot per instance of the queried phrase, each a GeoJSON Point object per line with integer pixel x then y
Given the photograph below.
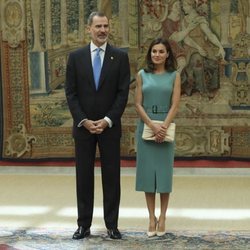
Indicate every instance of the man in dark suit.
{"type": "Point", "coordinates": [96, 107]}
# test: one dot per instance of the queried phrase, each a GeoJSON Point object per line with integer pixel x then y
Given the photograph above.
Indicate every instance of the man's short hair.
{"type": "Point", "coordinates": [93, 14]}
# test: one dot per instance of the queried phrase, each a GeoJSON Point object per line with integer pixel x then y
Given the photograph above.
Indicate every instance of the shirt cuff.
{"type": "Point", "coordinates": [81, 122]}
{"type": "Point", "coordinates": [108, 121]}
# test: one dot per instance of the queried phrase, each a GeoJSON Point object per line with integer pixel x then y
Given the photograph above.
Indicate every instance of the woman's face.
{"type": "Point", "coordinates": [159, 54]}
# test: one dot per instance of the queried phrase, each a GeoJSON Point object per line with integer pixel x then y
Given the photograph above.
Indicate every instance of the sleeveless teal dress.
{"type": "Point", "coordinates": [154, 161]}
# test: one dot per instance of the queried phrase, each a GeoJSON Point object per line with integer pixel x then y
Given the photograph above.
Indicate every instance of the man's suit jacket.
{"type": "Point", "coordinates": [111, 97]}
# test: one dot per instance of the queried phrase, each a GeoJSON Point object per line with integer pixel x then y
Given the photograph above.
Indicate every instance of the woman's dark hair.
{"type": "Point", "coordinates": [170, 64]}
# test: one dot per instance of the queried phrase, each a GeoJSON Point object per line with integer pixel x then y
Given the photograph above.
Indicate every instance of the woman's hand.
{"type": "Point", "coordinates": [159, 132]}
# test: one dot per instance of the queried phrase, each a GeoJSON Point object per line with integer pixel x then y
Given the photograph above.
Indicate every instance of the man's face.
{"type": "Point", "coordinates": [99, 30]}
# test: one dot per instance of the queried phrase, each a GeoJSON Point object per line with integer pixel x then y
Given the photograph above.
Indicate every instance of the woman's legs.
{"type": "Point", "coordinates": [150, 199]}
{"type": "Point", "coordinates": [164, 205]}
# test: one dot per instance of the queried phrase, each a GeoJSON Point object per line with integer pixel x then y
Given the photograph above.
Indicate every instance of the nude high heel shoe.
{"type": "Point", "coordinates": [161, 228]}
{"type": "Point", "coordinates": [153, 232]}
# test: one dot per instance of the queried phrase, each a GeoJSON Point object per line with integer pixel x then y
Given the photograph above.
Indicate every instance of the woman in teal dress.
{"type": "Point", "coordinates": [157, 97]}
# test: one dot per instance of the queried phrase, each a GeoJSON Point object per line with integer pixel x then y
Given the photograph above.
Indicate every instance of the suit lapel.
{"type": "Point", "coordinates": [107, 63]}
{"type": "Point", "coordinates": [86, 62]}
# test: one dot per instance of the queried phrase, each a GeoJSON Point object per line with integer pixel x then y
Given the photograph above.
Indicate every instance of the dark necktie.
{"type": "Point", "coordinates": [97, 65]}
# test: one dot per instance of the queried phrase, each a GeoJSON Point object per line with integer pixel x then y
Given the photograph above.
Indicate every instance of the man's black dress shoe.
{"type": "Point", "coordinates": [81, 233]}
{"type": "Point", "coordinates": [114, 234]}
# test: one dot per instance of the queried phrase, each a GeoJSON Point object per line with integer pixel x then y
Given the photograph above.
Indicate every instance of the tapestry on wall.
{"type": "Point", "coordinates": [210, 40]}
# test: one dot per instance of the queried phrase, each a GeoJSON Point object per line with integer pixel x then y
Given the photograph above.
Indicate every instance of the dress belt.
{"type": "Point", "coordinates": [156, 109]}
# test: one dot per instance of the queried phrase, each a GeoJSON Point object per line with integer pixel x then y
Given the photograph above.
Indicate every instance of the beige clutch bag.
{"type": "Point", "coordinates": [148, 133]}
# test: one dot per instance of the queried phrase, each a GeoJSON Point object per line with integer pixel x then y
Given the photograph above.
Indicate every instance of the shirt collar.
{"type": "Point", "coordinates": [93, 47]}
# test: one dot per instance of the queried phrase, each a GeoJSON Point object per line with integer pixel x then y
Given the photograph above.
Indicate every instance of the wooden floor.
{"type": "Point", "coordinates": [202, 199]}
